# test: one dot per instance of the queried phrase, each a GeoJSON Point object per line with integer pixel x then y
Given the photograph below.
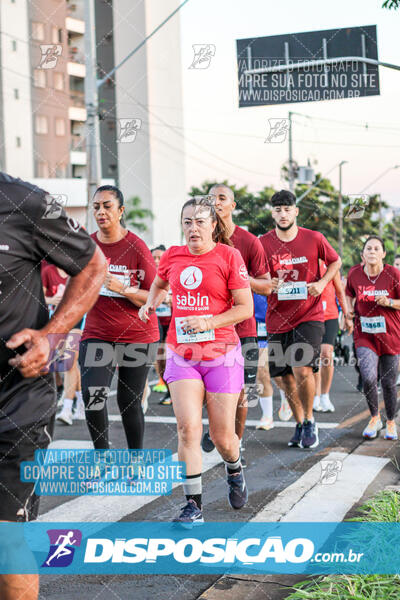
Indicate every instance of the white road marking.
{"type": "Point", "coordinates": [309, 500]}
{"type": "Point", "coordinates": [250, 423]}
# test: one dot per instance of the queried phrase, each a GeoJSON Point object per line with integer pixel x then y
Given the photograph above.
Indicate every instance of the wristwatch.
{"type": "Point", "coordinates": [391, 302]}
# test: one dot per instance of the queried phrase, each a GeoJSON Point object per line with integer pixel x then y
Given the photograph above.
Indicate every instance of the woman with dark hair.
{"type": "Point", "coordinates": [113, 332]}
{"type": "Point", "coordinates": [373, 293]}
{"type": "Point", "coordinates": [210, 294]}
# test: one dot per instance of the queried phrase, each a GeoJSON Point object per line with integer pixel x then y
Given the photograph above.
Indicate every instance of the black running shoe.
{"type": "Point", "coordinates": [309, 439]}
{"type": "Point", "coordinates": [296, 439]}
{"type": "Point", "coordinates": [189, 516]}
{"type": "Point", "coordinates": [206, 443]}
{"type": "Point", "coordinates": [237, 493]}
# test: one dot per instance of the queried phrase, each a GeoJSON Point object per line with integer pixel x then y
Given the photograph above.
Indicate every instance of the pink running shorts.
{"type": "Point", "coordinates": [222, 375]}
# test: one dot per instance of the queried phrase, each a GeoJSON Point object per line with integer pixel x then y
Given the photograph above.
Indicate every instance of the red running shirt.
{"type": "Point", "coordinates": [51, 279]}
{"type": "Point", "coordinates": [252, 253]}
{"type": "Point", "coordinates": [201, 285]}
{"type": "Point", "coordinates": [328, 297]}
{"type": "Point", "coordinates": [297, 260]}
{"type": "Point", "coordinates": [114, 318]}
{"type": "Point", "coordinates": [360, 287]}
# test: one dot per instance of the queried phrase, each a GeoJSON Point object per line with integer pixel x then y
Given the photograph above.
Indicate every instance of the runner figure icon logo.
{"type": "Point", "coordinates": [98, 397]}
{"type": "Point", "coordinates": [62, 542]}
{"type": "Point", "coordinates": [191, 278]}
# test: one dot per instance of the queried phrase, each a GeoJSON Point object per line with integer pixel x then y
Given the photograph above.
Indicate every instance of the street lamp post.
{"type": "Point", "coordinates": [340, 209]}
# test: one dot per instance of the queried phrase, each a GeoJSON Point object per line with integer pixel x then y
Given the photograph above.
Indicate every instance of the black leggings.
{"type": "Point", "coordinates": [387, 364]}
{"type": "Point", "coordinates": [98, 360]}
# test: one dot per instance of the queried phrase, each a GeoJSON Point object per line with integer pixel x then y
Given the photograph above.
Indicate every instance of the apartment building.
{"type": "Point", "coordinates": [42, 100]}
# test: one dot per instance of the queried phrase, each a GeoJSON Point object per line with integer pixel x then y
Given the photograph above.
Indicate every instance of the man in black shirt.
{"type": "Point", "coordinates": [30, 233]}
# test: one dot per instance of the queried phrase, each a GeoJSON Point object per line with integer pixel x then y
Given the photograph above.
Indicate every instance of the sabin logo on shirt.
{"type": "Point", "coordinates": [191, 278]}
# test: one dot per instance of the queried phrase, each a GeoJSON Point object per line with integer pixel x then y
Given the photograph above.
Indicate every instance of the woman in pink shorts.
{"type": "Point", "coordinates": [210, 294]}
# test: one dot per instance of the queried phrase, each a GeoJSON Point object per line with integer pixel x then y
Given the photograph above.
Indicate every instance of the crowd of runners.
{"type": "Point", "coordinates": [219, 318]}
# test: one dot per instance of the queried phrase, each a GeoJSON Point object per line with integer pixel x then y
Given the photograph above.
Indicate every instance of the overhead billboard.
{"type": "Point", "coordinates": [308, 67]}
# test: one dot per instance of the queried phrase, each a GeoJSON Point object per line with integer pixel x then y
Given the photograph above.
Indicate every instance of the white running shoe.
{"type": "Point", "coordinates": [65, 416]}
{"type": "Point", "coordinates": [265, 423]}
{"type": "Point", "coordinates": [285, 412]}
{"type": "Point", "coordinates": [79, 413]}
{"type": "Point", "coordinates": [326, 405]}
{"type": "Point", "coordinates": [398, 380]}
{"type": "Point", "coordinates": [317, 404]}
{"type": "Point", "coordinates": [373, 427]}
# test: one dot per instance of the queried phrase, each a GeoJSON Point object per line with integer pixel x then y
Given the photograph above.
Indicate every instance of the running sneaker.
{"type": "Point", "coordinates": [391, 431]}
{"type": "Point", "coordinates": [190, 515]}
{"type": "Point", "coordinates": [371, 430]}
{"type": "Point", "coordinates": [206, 443]}
{"type": "Point", "coordinates": [65, 416]}
{"type": "Point", "coordinates": [285, 412]}
{"type": "Point", "coordinates": [265, 423]}
{"type": "Point", "coordinates": [237, 493]}
{"type": "Point", "coordinates": [160, 388]}
{"type": "Point", "coordinates": [317, 404]}
{"type": "Point", "coordinates": [309, 438]}
{"type": "Point", "coordinates": [166, 399]}
{"type": "Point", "coordinates": [398, 380]}
{"type": "Point", "coordinates": [79, 413]}
{"type": "Point", "coordinates": [326, 405]}
{"type": "Point", "coordinates": [296, 439]}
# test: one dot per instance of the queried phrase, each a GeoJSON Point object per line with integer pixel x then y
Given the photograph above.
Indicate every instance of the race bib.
{"type": "Point", "coordinates": [373, 324]}
{"type": "Point", "coordinates": [293, 290]}
{"type": "Point", "coordinates": [261, 329]}
{"type": "Point", "coordinates": [124, 278]}
{"type": "Point", "coordinates": [186, 338]}
{"type": "Point", "coordinates": [163, 310]}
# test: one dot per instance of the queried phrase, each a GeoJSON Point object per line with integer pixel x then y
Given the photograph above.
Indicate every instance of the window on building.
{"type": "Point", "coordinates": [39, 78]}
{"type": "Point", "coordinates": [18, 142]}
{"type": "Point", "coordinates": [56, 35]}
{"type": "Point", "coordinates": [58, 81]}
{"type": "Point", "coordinates": [37, 31]}
{"type": "Point", "coordinates": [42, 169]}
{"type": "Point", "coordinates": [13, 45]}
{"type": "Point", "coordinates": [60, 127]}
{"type": "Point", "coordinates": [16, 94]}
{"type": "Point", "coordinates": [41, 125]}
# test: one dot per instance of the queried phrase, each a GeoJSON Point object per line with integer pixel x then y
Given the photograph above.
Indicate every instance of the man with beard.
{"type": "Point", "coordinates": [295, 317]}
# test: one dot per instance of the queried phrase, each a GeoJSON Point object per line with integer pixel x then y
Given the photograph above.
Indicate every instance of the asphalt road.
{"type": "Point", "coordinates": [271, 467]}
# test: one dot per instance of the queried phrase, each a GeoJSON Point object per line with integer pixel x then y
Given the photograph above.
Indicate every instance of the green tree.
{"type": "Point", "coordinates": [135, 214]}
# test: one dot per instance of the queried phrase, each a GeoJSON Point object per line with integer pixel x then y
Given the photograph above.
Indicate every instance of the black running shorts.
{"type": "Point", "coordinates": [299, 347]}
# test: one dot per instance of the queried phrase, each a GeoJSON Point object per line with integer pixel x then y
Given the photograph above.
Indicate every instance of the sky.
{"type": "Point", "coordinates": [225, 142]}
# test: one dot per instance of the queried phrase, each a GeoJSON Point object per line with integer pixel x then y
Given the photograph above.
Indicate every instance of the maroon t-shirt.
{"type": "Point", "coordinates": [360, 287]}
{"type": "Point", "coordinates": [114, 318]}
{"type": "Point", "coordinates": [51, 279]}
{"type": "Point", "coordinates": [253, 256]}
{"type": "Point", "coordinates": [296, 261]}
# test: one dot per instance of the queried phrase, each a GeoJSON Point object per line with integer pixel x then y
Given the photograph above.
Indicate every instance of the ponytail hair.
{"type": "Point", "coordinates": [220, 233]}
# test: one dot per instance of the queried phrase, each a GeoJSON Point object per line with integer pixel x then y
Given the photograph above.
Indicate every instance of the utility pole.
{"type": "Point", "coordinates": [92, 122]}
{"type": "Point", "coordinates": [340, 209]}
{"type": "Point", "coordinates": [291, 170]}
